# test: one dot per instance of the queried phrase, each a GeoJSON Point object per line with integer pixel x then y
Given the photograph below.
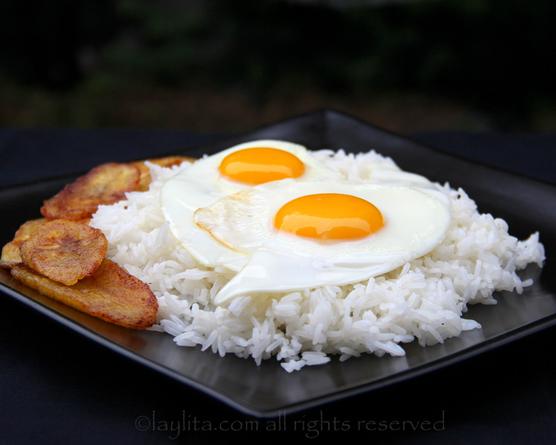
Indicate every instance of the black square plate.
{"type": "Point", "coordinates": [268, 390]}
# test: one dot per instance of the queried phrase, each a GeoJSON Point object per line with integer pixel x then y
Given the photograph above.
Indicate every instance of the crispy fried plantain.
{"type": "Point", "coordinates": [105, 184]}
{"type": "Point", "coordinates": [168, 161]}
{"type": "Point", "coordinates": [110, 294]}
{"type": "Point", "coordinates": [64, 251]}
{"type": "Point", "coordinates": [10, 255]}
{"type": "Point", "coordinates": [11, 251]}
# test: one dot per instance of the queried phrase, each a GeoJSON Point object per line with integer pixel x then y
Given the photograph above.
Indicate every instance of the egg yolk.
{"type": "Point", "coordinates": [329, 216]}
{"type": "Point", "coordinates": [260, 165]}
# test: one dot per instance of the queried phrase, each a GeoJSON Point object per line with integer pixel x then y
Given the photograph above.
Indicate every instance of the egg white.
{"type": "Point", "coordinates": [416, 221]}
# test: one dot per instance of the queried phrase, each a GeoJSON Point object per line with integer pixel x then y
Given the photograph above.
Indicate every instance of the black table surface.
{"type": "Point", "coordinates": [57, 387]}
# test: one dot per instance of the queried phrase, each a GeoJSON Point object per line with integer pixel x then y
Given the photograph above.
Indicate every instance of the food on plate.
{"type": "Point", "coordinates": [110, 293]}
{"type": "Point", "coordinates": [300, 236]}
{"type": "Point", "coordinates": [64, 251]}
{"type": "Point", "coordinates": [11, 253]}
{"type": "Point", "coordinates": [257, 165]}
{"type": "Point", "coordinates": [237, 168]}
{"type": "Point", "coordinates": [168, 161]}
{"type": "Point", "coordinates": [63, 257]}
{"type": "Point", "coordinates": [104, 184]}
{"type": "Point", "coordinates": [341, 255]}
{"type": "Point", "coordinates": [270, 250]}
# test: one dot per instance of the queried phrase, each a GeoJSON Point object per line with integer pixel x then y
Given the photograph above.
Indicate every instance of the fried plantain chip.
{"type": "Point", "coordinates": [110, 294]}
{"type": "Point", "coordinates": [10, 255]}
{"type": "Point", "coordinates": [105, 184]}
{"type": "Point", "coordinates": [168, 161]}
{"type": "Point", "coordinates": [64, 251]}
{"type": "Point", "coordinates": [11, 251]}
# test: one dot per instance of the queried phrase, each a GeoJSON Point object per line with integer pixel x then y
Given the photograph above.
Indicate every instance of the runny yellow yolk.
{"type": "Point", "coordinates": [259, 165]}
{"type": "Point", "coordinates": [329, 216]}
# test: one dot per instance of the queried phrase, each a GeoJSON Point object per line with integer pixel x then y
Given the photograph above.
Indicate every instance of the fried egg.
{"type": "Point", "coordinates": [303, 235]}
{"type": "Point", "coordinates": [238, 168]}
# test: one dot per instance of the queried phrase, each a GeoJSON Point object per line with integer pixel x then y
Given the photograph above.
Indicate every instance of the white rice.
{"type": "Point", "coordinates": [424, 300]}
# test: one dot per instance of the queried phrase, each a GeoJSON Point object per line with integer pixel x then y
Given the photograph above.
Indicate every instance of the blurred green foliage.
{"type": "Point", "coordinates": [105, 62]}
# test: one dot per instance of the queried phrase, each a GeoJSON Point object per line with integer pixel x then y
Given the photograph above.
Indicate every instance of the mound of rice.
{"type": "Point", "coordinates": [422, 300]}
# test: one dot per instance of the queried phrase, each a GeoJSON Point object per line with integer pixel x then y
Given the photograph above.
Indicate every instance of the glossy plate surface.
{"type": "Point", "coordinates": [267, 390]}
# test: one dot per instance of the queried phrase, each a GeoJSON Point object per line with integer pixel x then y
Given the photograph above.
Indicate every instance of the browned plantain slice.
{"type": "Point", "coordinates": [168, 161]}
{"type": "Point", "coordinates": [11, 252]}
{"type": "Point", "coordinates": [105, 184]}
{"type": "Point", "coordinates": [110, 294]}
{"type": "Point", "coordinates": [10, 255]}
{"type": "Point", "coordinates": [64, 251]}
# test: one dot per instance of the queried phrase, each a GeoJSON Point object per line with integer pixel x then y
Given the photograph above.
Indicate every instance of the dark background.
{"type": "Point", "coordinates": [192, 67]}
{"type": "Point", "coordinates": [407, 65]}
